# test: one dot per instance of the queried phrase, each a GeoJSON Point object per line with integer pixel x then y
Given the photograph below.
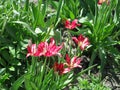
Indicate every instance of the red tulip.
{"type": "Point", "coordinates": [72, 25]}
{"type": "Point", "coordinates": [44, 49]}
{"type": "Point", "coordinates": [73, 63]}
{"type": "Point", "coordinates": [49, 49]}
{"type": "Point", "coordinates": [60, 68]}
{"type": "Point", "coordinates": [31, 48]}
{"type": "Point", "coordinates": [52, 49]}
{"type": "Point", "coordinates": [102, 1]}
{"type": "Point", "coordinates": [81, 41]}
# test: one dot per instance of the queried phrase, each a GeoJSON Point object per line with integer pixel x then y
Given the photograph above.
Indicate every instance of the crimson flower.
{"type": "Point", "coordinates": [60, 68]}
{"type": "Point", "coordinates": [81, 41]}
{"type": "Point", "coordinates": [72, 25]}
{"type": "Point", "coordinates": [44, 49]}
{"type": "Point", "coordinates": [72, 63]}
{"type": "Point", "coordinates": [102, 1]}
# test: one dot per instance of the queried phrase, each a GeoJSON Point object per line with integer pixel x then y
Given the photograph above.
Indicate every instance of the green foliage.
{"type": "Point", "coordinates": [101, 26]}
{"type": "Point", "coordinates": [93, 83]}
{"type": "Point", "coordinates": [40, 76]}
{"type": "Point", "coordinates": [23, 20]}
{"type": "Point", "coordinates": [70, 9]}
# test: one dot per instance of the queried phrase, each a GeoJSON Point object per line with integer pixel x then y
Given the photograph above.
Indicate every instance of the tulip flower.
{"type": "Point", "coordinates": [44, 49]}
{"type": "Point", "coordinates": [50, 49]}
{"type": "Point", "coordinates": [60, 68]}
{"type": "Point", "coordinates": [72, 63]}
{"type": "Point", "coordinates": [102, 1]}
{"type": "Point", "coordinates": [72, 25]}
{"type": "Point", "coordinates": [81, 41]}
{"type": "Point", "coordinates": [31, 48]}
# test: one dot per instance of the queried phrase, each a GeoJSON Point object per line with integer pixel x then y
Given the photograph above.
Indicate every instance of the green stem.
{"type": "Point", "coordinates": [46, 36]}
{"type": "Point", "coordinates": [33, 65]}
{"type": "Point", "coordinates": [42, 73]}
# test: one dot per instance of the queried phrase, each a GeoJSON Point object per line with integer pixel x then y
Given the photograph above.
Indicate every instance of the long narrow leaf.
{"type": "Point", "coordinates": [18, 83]}
{"type": "Point", "coordinates": [25, 25]}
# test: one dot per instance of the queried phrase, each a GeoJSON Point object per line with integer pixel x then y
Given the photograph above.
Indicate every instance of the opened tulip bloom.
{"type": "Point", "coordinates": [71, 25]}
{"type": "Point", "coordinates": [72, 63]}
{"type": "Point", "coordinates": [50, 49]}
{"type": "Point", "coordinates": [81, 41]}
{"type": "Point", "coordinates": [44, 49]}
{"type": "Point", "coordinates": [60, 68]}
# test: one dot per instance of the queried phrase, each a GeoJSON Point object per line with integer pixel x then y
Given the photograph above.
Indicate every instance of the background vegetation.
{"type": "Point", "coordinates": [39, 20]}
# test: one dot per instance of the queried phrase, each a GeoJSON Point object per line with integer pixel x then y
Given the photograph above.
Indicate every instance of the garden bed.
{"type": "Point", "coordinates": [59, 45]}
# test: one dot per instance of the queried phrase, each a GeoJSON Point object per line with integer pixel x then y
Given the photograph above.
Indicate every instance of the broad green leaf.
{"type": "Point", "coordinates": [25, 25]}
{"type": "Point", "coordinates": [18, 83]}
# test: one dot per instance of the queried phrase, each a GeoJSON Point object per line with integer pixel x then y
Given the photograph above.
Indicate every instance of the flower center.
{"type": "Point", "coordinates": [80, 44]}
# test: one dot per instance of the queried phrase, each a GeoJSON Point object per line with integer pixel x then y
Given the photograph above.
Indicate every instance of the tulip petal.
{"type": "Point", "coordinates": [75, 39]}
{"type": "Point", "coordinates": [67, 58]}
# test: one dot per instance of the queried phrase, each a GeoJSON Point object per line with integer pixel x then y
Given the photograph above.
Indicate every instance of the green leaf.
{"type": "Point", "coordinates": [34, 87]}
{"type": "Point", "coordinates": [93, 56]}
{"type": "Point", "coordinates": [85, 70]}
{"type": "Point", "coordinates": [18, 83]}
{"type": "Point", "coordinates": [58, 11]}
{"type": "Point", "coordinates": [28, 84]}
{"type": "Point", "coordinates": [12, 51]}
{"type": "Point", "coordinates": [2, 62]}
{"type": "Point", "coordinates": [103, 58]}
{"type": "Point", "coordinates": [47, 80]}
{"type": "Point", "coordinates": [25, 25]}
{"type": "Point", "coordinates": [2, 71]}
{"type": "Point", "coordinates": [72, 15]}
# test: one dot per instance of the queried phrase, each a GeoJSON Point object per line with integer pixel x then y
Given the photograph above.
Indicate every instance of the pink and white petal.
{"type": "Point", "coordinates": [66, 70]}
{"type": "Point", "coordinates": [76, 65]}
{"type": "Point", "coordinates": [28, 54]}
{"type": "Point", "coordinates": [86, 41]}
{"type": "Point", "coordinates": [73, 60]}
{"type": "Point", "coordinates": [75, 39]}
{"type": "Point", "coordinates": [33, 48]}
{"type": "Point", "coordinates": [74, 22]}
{"type": "Point", "coordinates": [59, 54]}
{"type": "Point", "coordinates": [59, 47]}
{"type": "Point", "coordinates": [78, 61]}
{"type": "Point", "coordinates": [42, 48]}
{"type": "Point", "coordinates": [82, 47]}
{"type": "Point", "coordinates": [52, 42]}
{"type": "Point", "coordinates": [67, 24]}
